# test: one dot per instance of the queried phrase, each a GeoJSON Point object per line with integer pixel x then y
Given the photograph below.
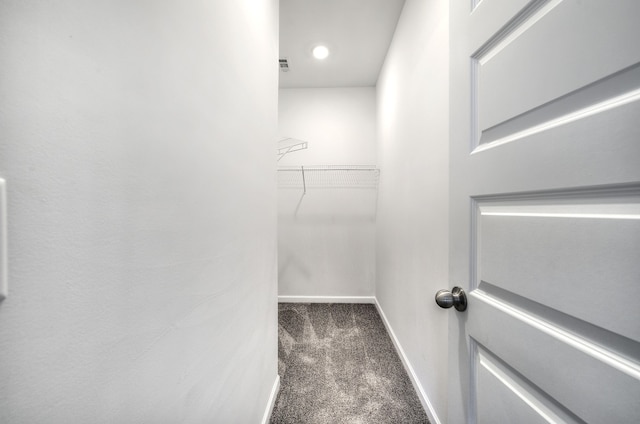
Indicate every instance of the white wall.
{"type": "Point", "coordinates": [326, 244]}
{"type": "Point", "coordinates": [338, 123]}
{"type": "Point", "coordinates": [412, 233]}
{"type": "Point", "coordinates": [137, 141]}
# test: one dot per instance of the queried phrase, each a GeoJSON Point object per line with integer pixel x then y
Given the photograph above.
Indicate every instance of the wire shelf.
{"type": "Point", "coordinates": [328, 176]}
{"type": "Point", "coordinates": [288, 145]}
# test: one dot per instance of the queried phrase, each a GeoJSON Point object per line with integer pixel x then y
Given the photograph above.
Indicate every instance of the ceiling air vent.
{"type": "Point", "coordinates": [284, 64]}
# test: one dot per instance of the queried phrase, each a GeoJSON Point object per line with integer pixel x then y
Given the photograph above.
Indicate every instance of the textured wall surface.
{"type": "Point", "coordinates": [137, 140]}
{"type": "Point", "coordinates": [412, 232]}
{"type": "Point", "coordinates": [326, 239]}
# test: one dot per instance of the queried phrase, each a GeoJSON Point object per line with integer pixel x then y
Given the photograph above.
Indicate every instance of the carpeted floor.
{"type": "Point", "coordinates": [338, 365]}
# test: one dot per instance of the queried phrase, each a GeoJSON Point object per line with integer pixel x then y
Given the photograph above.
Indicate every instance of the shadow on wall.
{"type": "Point", "coordinates": [326, 233]}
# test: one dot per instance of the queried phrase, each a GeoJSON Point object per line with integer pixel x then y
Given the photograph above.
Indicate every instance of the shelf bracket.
{"type": "Point", "coordinates": [293, 147]}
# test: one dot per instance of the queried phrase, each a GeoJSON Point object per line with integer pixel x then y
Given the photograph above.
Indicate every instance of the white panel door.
{"type": "Point", "coordinates": [545, 204]}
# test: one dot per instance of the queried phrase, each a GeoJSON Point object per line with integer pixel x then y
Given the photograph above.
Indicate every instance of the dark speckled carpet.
{"type": "Point", "coordinates": [338, 365]}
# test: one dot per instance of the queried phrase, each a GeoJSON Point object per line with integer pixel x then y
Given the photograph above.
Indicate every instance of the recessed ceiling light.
{"type": "Point", "coordinates": [320, 52]}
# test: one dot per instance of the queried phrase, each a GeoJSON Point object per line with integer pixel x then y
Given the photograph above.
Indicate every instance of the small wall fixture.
{"type": "Point", "coordinates": [320, 52]}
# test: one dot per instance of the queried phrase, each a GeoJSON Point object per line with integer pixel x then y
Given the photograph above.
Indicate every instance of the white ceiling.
{"type": "Point", "coordinates": [357, 33]}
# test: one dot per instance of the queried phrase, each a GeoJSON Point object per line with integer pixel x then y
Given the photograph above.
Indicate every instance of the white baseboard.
{"type": "Point", "coordinates": [327, 299]}
{"type": "Point", "coordinates": [272, 401]}
{"type": "Point", "coordinates": [426, 404]}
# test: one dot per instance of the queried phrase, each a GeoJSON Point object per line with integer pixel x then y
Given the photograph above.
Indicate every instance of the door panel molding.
{"type": "Point", "coordinates": [604, 95]}
{"type": "Point", "coordinates": [526, 401]}
{"type": "Point", "coordinates": [520, 245]}
{"type": "Point", "coordinates": [554, 51]}
{"type": "Point", "coordinates": [570, 369]}
{"type": "Point", "coordinates": [624, 351]}
{"type": "Point", "coordinates": [504, 35]}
